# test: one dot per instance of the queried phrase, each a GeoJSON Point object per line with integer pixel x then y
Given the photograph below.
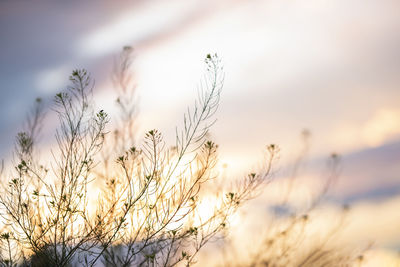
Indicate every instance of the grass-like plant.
{"type": "Point", "coordinates": [291, 237]}
{"type": "Point", "coordinates": [148, 209]}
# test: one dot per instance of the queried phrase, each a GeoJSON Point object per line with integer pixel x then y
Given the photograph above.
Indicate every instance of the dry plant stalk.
{"type": "Point", "coordinates": [286, 242]}
{"type": "Point", "coordinates": [148, 211]}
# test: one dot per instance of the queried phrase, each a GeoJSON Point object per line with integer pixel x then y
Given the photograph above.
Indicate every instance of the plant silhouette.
{"type": "Point", "coordinates": [149, 206]}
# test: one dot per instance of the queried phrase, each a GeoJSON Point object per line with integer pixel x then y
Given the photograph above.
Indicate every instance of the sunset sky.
{"type": "Point", "coordinates": [330, 66]}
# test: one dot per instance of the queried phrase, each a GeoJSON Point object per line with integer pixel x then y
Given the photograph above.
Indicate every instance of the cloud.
{"type": "Point", "coordinates": [145, 21]}
{"type": "Point", "coordinates": [382, 127]}
{"type": "Point", "coordinates": [50, 80]}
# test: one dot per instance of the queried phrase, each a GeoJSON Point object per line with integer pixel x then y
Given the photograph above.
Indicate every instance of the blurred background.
{"type": "Point", "coordinates": [332, 67]}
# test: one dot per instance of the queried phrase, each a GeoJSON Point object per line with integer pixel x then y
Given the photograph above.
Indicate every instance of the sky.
{"type": "Point", "coordinates": [332, 67]}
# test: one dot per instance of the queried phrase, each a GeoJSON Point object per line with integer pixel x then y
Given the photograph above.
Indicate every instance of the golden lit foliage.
{"type": "Point", "coordinates": [151, 209]}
